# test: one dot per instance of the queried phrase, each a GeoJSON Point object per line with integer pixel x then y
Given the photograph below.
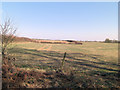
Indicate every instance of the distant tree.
{"type": "Point", "coordinates": [115, 41]}
{"type": "Point", "coordinates": [7, 35]}
{"type": "Point", "coordinates": [107, 40]}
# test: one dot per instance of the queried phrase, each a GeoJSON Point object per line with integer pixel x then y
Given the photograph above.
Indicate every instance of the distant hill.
{"type": "Point", "coordinates": [25, 39]}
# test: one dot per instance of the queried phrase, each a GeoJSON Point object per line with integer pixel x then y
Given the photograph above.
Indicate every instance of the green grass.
{"type": "Point", "coordinates": [92, 59]}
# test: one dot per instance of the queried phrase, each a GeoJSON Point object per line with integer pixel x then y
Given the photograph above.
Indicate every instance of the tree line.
{"type": "Point", "coordinates": [107, 40]}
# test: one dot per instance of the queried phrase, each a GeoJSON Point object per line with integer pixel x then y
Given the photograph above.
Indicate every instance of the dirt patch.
{"type": "Point", "coordinates": [49, 48]}
{"type": "Point", "coordinates": [46, 47]}
{"type": "Point", "coordinates": [42, 48]}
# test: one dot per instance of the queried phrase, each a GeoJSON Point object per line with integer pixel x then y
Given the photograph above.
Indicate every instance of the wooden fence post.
{"type": "Point", "coordinates": [63, 60]}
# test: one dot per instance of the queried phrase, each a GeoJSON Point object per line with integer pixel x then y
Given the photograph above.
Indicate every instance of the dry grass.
{"type": "Point", "coordinates": [92, 64]}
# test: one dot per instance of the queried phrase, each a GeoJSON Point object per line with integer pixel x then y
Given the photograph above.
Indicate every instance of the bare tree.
{"type": "Point", "coordinates": [7, 33]}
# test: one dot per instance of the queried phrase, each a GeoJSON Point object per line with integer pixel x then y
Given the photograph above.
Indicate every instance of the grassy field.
{"type": "Point", "coordinates": [92, 63]}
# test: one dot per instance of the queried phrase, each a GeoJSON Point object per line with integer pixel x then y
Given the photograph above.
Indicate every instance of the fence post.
{"type": "Point", "coordinates": [63, 60]}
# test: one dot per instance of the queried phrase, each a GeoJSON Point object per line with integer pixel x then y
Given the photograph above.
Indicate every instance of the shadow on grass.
{"type": "Point", "coordinates": [91, 68]}
{"type": "Point", "coordinates": [52, 55]}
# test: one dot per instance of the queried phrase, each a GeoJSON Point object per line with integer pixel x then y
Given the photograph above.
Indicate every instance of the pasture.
{"type": "Point", "coordinates": [92, 63]}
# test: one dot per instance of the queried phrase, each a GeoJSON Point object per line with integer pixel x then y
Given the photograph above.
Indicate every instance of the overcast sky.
{"type": "Point", "coordinates": [77, 21]}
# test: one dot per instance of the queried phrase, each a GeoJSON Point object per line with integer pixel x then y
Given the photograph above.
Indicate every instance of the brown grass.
{"type": "Point", "coordinates": [91, 66]}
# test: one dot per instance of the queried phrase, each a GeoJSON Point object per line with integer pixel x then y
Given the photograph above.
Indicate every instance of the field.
{"type": "Point", "coordinates": [93, 63]}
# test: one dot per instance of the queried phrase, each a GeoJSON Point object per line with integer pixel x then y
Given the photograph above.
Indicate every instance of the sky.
{"type": "Point", "coordinates": [64, 20]}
